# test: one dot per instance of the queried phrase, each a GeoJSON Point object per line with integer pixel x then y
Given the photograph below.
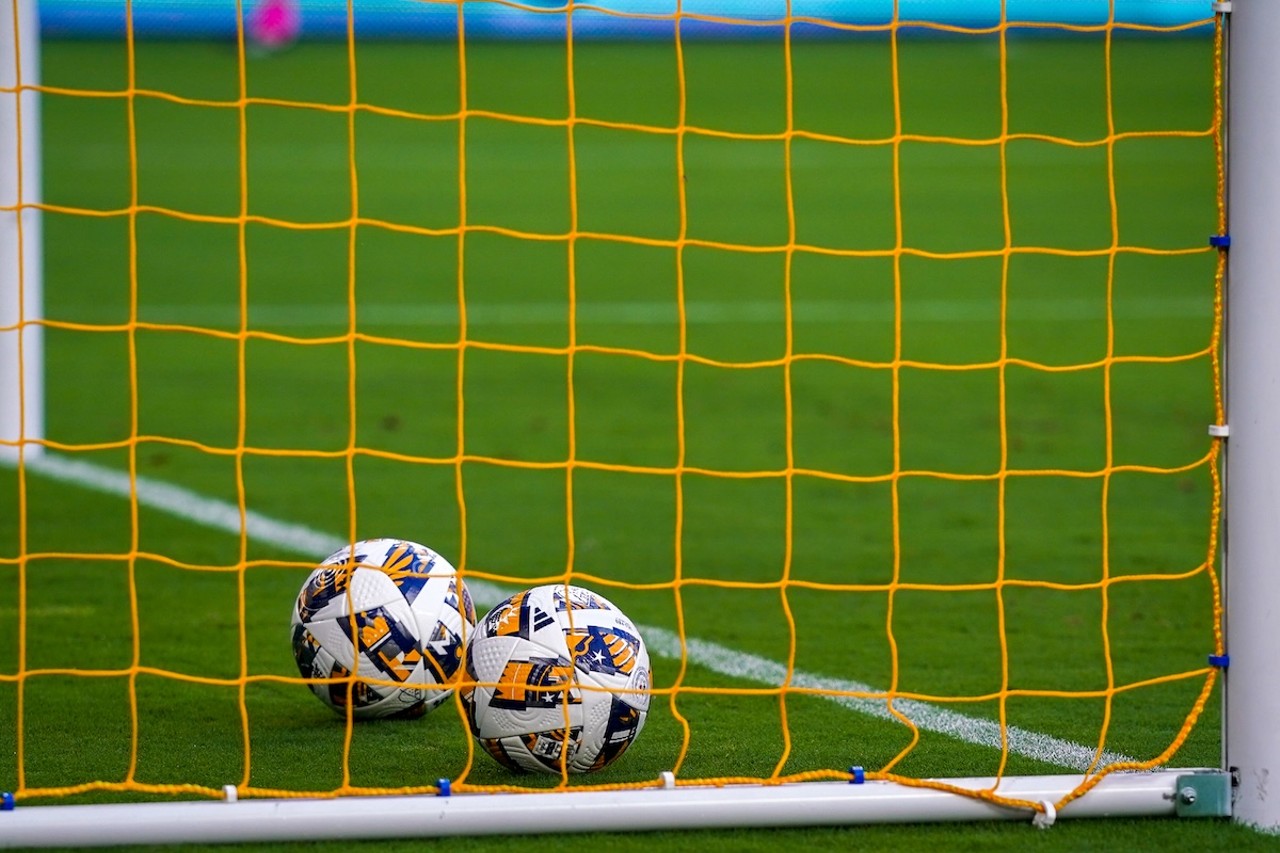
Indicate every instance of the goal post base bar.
{"type": "Point", "coordinates": [1163, 793]}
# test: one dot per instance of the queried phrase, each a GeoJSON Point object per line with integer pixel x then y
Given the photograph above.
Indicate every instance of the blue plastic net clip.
{"type": "Point", "coordinates": [6, 802]}
{"type": "Point", "coordinates": [1220, 661]}
{"type": "Point", "coordinates": [858, 775]}
{"type": "Point", "coordinates": [445, 788]}
{"type": "Point", "coordinates": [1220, 241]}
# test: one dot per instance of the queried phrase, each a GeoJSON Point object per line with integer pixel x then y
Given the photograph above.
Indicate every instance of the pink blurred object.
{"type": "Point", "coordinates": [274, 24]}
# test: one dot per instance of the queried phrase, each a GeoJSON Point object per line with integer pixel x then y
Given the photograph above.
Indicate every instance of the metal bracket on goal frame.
{"type": "Point", "coordinates": [1205, 793]}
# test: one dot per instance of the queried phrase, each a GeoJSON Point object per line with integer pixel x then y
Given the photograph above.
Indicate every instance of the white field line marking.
{"type": "Point", "coordinates": [642, 313]}
{"type": "Point", "coordinates": [223, 516]}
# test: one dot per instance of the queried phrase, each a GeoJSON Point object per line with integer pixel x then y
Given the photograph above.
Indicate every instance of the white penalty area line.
{"type": "Point", "coordinates": [226, 517]}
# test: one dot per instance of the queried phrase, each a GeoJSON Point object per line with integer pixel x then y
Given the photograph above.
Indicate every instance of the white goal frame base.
{"type": "Point", "coordinates": [1161, 793]}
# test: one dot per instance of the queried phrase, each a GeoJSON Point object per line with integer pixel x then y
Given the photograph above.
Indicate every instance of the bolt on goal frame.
{"type": "Point", "coordinates": [1249, 435]}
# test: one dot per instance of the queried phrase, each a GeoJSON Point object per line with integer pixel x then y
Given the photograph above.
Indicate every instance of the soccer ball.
{"type": "Point", "coordinates": [540, 649]}
{"type": "Point", "coordinates": [393, 612]}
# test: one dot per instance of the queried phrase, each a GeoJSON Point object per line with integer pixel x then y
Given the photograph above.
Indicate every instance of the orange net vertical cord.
{"type": "Point", "coordinates": [242, 403]}
{"type": "Point", "coordinates": [896, 414]}
{"type": "Point", "coordinates": [682, 236]}
{"type": "Point", "coordinates": [460, 382]}
{"type": "Point", "coordinates": [348, 452]}
{"type": "Point", "coordinates": [1108, 377]}
{"type": "Point", "coordinates": [1219, 296]}
{"type": "Point", "coordinates": [1002, 415]}
{"type": "Point", "coordinates": [132, 440]}
{"type": "Point", "coordinates": [788, 353]}
{"type": "Point", "coordinates": [571, 247]}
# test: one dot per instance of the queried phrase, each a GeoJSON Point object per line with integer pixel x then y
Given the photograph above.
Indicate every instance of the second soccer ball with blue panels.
{"type": "Point", "coordinates": [561, 681]}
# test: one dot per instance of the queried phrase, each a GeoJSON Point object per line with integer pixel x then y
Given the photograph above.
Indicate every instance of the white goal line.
{"type": "Point", "coordinates": [223, 516]}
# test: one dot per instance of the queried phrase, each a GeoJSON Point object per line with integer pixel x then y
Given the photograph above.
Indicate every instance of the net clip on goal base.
{"type": "Point", "coordinates": [1203, 794]}
{"type": "Point", "coordinates": [1167, 793]}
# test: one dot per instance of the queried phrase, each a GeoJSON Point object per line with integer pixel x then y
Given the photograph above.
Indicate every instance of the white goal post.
{"type": "Point", "coordinates": [21, 350]}
{"type": "Point", "coordinates": [1251, 547]}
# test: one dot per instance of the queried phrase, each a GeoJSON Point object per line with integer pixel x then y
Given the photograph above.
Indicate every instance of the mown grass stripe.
{"type": "Point", "coordinates": [653, 313]}
{"type": "Point", "coordinates": [226, 517]}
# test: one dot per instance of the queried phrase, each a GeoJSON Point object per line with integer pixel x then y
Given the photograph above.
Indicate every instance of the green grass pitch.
{"type": "Point", "coordinates": [638, 412]}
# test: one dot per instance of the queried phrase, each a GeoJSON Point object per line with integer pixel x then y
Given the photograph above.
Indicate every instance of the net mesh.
{"type": "Point", "coordinates": [906, 383]}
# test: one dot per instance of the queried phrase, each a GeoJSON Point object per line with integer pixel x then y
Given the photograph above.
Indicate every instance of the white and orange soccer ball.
{"type": "Point", "coordinates": [393, 613]}
{"type": "Point", "coordinates": [556, 667]}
